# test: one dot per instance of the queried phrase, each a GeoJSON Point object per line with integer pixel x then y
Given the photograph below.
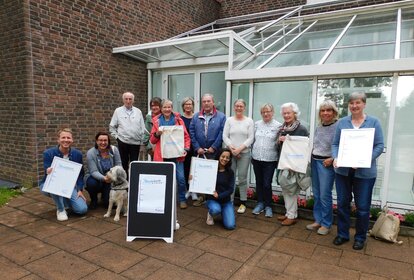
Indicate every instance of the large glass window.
{"type": "Point", "coordinates": [378, 91]}
{"type": "Point", "coordinates": [180, 86]}
{"type": "Point", "coordinates": [401, 182]}
{"type": "Point", "coordinates": [214, 83]}
{"type": "Point", "coordinates": [277, 93]}
{"type": "Point", "coordinates": [240, 91]}
{"type": "Point", "coordinates": [156, 84]}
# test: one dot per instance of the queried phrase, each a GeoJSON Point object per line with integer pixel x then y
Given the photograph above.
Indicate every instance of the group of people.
{"type": "Point", "coordinates": [235, 142]}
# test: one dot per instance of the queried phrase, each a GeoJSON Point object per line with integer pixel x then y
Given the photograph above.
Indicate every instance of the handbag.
{"type": "Point", "coordinates": [172, 141]}
{"type": "Point", "coordinates": [386, 227]}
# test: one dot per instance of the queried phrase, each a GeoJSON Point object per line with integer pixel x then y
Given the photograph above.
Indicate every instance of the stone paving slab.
{"type": "Point", "coordinates": [34, 245]}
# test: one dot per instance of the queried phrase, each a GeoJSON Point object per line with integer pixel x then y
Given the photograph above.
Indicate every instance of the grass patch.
{"type": "Point", "coordinates": [7, 194]}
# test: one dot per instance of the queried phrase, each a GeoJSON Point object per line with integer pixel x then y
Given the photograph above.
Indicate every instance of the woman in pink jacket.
{"type": "Point", "coordinates": [170, 118]}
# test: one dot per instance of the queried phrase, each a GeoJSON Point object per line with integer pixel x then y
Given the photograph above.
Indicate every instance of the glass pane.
{"type": "Point", "coordinates": [240, 91]}
{"type": "Point", "coordinates": [407, 30]}
{"type": "Point", "coordinates": [256, 61]}
{"type": "Point", "coordinates": [277, 93]}
{"type": "Point", "coordinates": [296, 59]}
{"type": "Point", "coordinates": [156, 84]}
{"type": "Point", "coordinates": [215, 84]}
{"type": "Point", "coordinates": [365, 53]}
{"type": "Point", "coordinates": [207, 48]}
{"type": "Point", "coordinates": [378, 91]}
{"type": "Point", "coordinates": [407, 49]}
{"type": "Point", "coordinates": [320, 36]}
{"type": "Point", "coordinates": [401, 184]}
{"type": "Point", "coordinates": [180, 86]}
{"type": "Point", "coordinates": [368, 30]}
{"type": "Point", "coordinates": [167, 53]}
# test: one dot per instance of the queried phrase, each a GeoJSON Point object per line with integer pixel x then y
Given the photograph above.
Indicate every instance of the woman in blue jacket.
{"type": "Point", "coordinates": [355, 182]}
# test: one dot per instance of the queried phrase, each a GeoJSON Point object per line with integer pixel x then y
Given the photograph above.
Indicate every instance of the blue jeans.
{"type": "Point", "coordinates": [361, 189]}
{"type": "Point", "coordinates": [94, 187]}
{"type": "Point", "coordinates": [240, 167]}
{"type": "Point", "coordinates": [179, 174]}
{"type": "Point", "coordinates": [263, 171]}
{"type": "Point", "coordinates": [322, 184]}
{"type": "Point", "coordinates": [226, 210]}
{"type": "Point", "coordinates": [77, 204]}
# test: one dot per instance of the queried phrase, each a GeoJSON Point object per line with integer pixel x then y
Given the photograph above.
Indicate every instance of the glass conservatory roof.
{"type": "Point", "coordinates": [291, 37]}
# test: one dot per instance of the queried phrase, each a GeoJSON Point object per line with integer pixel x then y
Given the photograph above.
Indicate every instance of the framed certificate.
{"type": "Point", "coordinates": [355, 148]}
{"type": "Point", "coordinates": [203, 174]}
{"type": "Point", "coordinates": [62, 180]}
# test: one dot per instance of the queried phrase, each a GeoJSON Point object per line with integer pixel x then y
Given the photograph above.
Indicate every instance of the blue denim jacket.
{"type": "Point", "coordinates": [370, 122]}
{"type": "Point", "coordinates": [74, 155]}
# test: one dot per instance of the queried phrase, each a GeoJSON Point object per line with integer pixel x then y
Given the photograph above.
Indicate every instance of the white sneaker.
{"type": "Point", "coordinates": [194, 196]}
{"type": "Point", "coordinates": [187, 195]}
{"type": "Point", "coordinates": [177, 226]}
{"type": "Point", "coordinates": [242, 209]}
{"type": "Point", "coordinates": [210, 220]}
{"type": "Point", "coordinates": [61, 216]}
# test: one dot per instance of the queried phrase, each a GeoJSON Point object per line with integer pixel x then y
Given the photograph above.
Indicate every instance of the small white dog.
{"type": "Point", "coordinates": [119, 192]}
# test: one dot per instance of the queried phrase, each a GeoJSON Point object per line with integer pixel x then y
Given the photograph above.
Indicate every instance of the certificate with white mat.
{"type": "Point", "coordinates": [62, 180]}
{"type": "Point", "coordinates": [203, 174]}
{"type": "Point", "coordinates": [355, 148]}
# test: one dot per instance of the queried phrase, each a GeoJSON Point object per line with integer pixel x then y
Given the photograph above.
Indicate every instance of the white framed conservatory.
{"type": "Point", "coordinates": [296, 55]}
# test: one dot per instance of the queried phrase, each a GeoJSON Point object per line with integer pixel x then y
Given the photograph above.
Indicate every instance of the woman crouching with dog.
{"type": "Point", "coordinates": [170, 118]}
{"type": "Point", "coordinates": [100, 158]}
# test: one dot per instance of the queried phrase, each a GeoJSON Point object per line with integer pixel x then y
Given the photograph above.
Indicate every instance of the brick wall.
{"type": "Point", "coordinates": [230, 8]}
{"type": "Point", "coordinates": [66, 50]}
{"type": "Point", "coordinates": [17, 142]}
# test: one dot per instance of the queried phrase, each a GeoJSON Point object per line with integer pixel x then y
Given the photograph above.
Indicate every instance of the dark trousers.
{"type": "Point", "coordinates": [128, 152]}
{"type": "Point", "coordinates": [263, 171]}
{"type": "Point", "coordinates": [94, 187]}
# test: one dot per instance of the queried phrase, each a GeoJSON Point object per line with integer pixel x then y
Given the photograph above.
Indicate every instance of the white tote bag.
{"type": "Point", "coordinates": [295, 154]}
{"type": "Point", "coordinates": [172, 141]}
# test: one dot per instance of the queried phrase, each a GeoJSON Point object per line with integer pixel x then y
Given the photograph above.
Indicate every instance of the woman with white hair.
{"type": "Point", "coordinates": [323, 174]}
{"type": "Point", "coordinates": [291, 126]}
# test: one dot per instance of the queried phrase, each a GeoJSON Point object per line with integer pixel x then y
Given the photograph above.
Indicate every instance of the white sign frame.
{"type": "Point", "coordinates": [62, 180]}
{"type": "Point", "coordinates": [355, 148]}
{"type": "Point", "coordinates": [203, 175]}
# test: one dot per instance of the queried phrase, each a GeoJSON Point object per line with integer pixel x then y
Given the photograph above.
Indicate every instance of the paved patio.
{"type": "Point", "coordinates": [33, 245]}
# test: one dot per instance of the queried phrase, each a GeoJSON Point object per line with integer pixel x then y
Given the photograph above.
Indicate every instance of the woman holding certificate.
{"type": "Point", "coordinates": [291, 126]}
{"type": "Point", "coordinates": [238, 135]}
{"type": "Point", "coordinates": [355, 181]}
{"type": "Point", "coordinates": [220, 202]}
{"type": "Point", "coordinates": [170, 118]}
{"type": "Point", "coordinates": [77, 201]}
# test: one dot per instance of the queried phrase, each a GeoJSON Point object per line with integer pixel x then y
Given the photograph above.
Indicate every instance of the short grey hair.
{"type": "Point", "coordinates": [128, 93]}
{"type": "Point", "coordinates": [185, 100]}
{"type": "Point", "coordinates": [267, 106]}
{"type": "Point", "coordinates": [240, 100]}
{"type": "Point", "coordinates": [166, 101]}
{"type": "Point", "coordinates": [357, 95]}
{"type": "Point", "coordinates": [328, 104]}
{"type": "Point", "coordinates": [292, 106]}
{"type": "Point", "coordinates": [207, 95]}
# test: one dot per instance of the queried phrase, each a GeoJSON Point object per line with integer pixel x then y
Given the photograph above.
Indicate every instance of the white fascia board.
{"type": "Point", "coordinates": [172, 42]}
{"type": "Point", "coordinates": [222, 59]}
{"type": "Point", "coordinates": [349, 68]}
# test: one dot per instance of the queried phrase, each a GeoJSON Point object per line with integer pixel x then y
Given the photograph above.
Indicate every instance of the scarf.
{"type": "Point", "coordinates": [164, 122]}
{"type": "Point", "coordinates": [285, 129]}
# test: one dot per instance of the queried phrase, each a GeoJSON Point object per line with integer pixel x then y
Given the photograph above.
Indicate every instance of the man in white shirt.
{"type": "Point", "coordinates": [127, 127]}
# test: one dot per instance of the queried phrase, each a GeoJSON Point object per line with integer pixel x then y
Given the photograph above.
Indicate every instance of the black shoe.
{"type": "Point", "coordinates": [93, 204]}
{"type": "Point", "coordinates": [340, 240]}
{"type": "Point", "coordinates": [358, 245]}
